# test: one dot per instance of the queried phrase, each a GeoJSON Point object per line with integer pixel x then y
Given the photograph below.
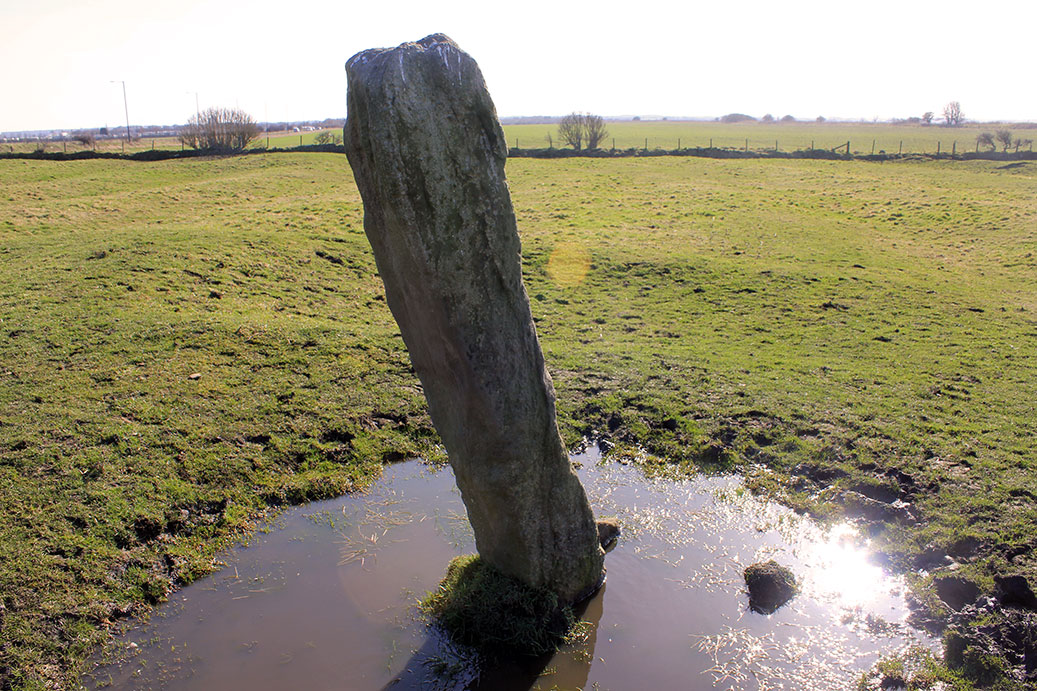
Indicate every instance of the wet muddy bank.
{"type": "Point", "coordinates": [835, 473]}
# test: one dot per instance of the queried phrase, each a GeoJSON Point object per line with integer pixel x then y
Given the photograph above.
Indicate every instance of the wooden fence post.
{"type": "Point", "coordinates": [646, 143]}
{"type": "Point", "coordinates": [711, 142]}
{"type": "Point", "coordinates": [747, 145]}
{"type": "Point", "coordinates": [937, 147]}
{"type": "Point", "coordinates": [775, 144]}
{"type": "Point", "coordinates": [872, 147]}
{"type": "Point", "coordinates": [678, 143]}
{"type": "Point", "coordinates": [954, 148]}
{"type": "Point", "coordinates": [901, 152]}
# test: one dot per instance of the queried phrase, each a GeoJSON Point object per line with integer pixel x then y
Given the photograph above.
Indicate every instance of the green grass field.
{"type": "Point", "coordinates": [187, 343]}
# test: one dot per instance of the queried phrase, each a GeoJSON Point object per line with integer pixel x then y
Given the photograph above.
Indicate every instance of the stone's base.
{"type": "Point", "coordinates": [770, 586]}
{"type": "Point", "coordinates": [497, 615]}
{"type": "Point", "coordinates": [592, 591]}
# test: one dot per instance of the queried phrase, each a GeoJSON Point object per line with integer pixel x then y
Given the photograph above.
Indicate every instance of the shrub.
{"type": "Point", "coordinates": [1004, 138]}
{"type": "Point", "coordinates": [220, 129]}
{"type": "Point", "coordinates": [328, 137]}
{"type": "Point", "coordinates": [570, 130]}
{"type": "Point", "coordinates": [594, 130]}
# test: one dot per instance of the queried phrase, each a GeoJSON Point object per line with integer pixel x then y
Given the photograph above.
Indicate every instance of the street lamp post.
{"type": "Point", "coordinates": [125, 107]}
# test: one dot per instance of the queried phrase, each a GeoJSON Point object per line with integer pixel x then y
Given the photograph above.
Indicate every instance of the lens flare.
{"type": "Point", "coordinates": [568, 264]}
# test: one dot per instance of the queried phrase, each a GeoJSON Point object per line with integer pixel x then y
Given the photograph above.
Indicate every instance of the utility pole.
{"type": "Point", "coordinates": [125, 106]}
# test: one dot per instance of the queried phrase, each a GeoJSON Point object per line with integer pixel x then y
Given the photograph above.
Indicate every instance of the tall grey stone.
{"type": "Point", "coordinates": [428, 155]}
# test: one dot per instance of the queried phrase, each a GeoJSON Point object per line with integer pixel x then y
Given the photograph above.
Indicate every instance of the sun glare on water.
{"type": "Point", "coordinates": [841, 570]}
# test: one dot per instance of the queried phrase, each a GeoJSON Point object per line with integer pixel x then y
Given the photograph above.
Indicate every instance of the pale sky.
{"type": "Point", "coordinates": [284, 60]}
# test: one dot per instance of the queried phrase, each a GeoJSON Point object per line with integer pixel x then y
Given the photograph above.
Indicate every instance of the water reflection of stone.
{"type": "Point", "coordinates": [326, 600]}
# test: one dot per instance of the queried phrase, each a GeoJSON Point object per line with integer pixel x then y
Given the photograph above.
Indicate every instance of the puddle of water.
{"type": "Point", "coordinates": [326, 599]}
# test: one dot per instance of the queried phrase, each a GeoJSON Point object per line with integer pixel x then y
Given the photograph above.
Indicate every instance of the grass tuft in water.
{"type": "Point", "coordinates": [498, 615]}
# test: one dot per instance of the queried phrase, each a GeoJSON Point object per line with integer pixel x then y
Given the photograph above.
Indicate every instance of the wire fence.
{"type": "Point", "coordinates": [850, 147]}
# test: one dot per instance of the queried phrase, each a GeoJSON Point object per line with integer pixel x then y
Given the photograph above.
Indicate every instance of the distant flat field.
{"type": "Point", "coordinates": [864, 138]}
{"type": "Point", "coordinates": [786, 137]}
{"type": "Point", "coordinates": [185, 343]}
{"type": "Point", "coordinates": [275, 140]}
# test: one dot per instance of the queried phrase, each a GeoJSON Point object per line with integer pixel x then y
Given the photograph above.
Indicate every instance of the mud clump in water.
{"type": "Point", "coordinates": [608, 532]}
{"type": "Point", "coordinates": [770, 585]}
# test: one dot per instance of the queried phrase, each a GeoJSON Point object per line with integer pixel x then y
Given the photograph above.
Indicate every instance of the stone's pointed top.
{"type": "Point", "coordinates": [425, 87]}
{"type": "Point", "coordinates": [434, 39]}
{"type": "Point", "coordinates": [431, 41]}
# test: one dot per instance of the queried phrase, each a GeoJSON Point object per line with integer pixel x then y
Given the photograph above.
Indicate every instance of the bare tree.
{"type": "Point", "coordinates": [1004, 138]}
{"type": "Point", "coordinates": [927, 117]}
{"type": "Point", "coordinates": [220, 129]}
{"type": "Point", "coordinates": [570, 130]}
{"type": "Point", "coordinates": [986, 139]}
{"type": "Point", "coordinates": [1023, 142]}
{"type": "Point", "coordinates": [594, 130]}
{"type": "Point", "coordinates": [952, 114]}
{"type": "Point", "coordinates": [327, 137]}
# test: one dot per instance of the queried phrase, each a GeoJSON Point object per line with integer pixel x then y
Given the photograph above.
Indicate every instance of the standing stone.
{"type": "Point", "coordinates": [428, 154]}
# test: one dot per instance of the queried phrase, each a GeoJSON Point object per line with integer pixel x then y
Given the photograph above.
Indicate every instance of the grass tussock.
{"type": "Point", "coordinates": [497, 615]}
